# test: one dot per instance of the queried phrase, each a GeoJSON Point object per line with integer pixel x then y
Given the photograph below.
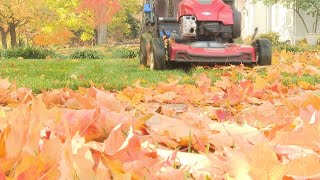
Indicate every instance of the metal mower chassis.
{"type": "Point", "coordinates": [231, 53]}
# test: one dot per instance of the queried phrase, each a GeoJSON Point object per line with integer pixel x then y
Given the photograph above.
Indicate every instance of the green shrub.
{"type": "Point", "coordinates": [126, 52]}
{"type": "Point", "coordinates": [29, 52]}
{"type": "Point", "coordinates": [239, 40]}
{"type": "Point", "coordinates": [86, 54]}
{"type": "Point", "coordinates": [282, 46]}
{"type": "Point", "coordinates": [302, 43]}
{"type": "Point", "coordinates": [272, 36]}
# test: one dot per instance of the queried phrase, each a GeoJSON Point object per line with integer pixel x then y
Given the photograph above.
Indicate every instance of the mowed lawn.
{"type": "Point", "coordinates": [110, 73]}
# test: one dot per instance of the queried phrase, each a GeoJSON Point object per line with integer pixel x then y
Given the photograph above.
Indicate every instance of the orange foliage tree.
{"type": "Point", "coordinates": [59, 37]}
{"type": "Point", "coordinates": [99, 13]}
{"type": "Point", "coordinates": [16, 13]}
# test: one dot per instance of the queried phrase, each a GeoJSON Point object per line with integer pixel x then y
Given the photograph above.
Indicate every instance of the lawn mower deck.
{"type": "Point", "coordinates": [210, 52]}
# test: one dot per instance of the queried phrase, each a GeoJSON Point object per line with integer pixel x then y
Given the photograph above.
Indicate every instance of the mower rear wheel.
{"type": "Point", "coordinates": [264, 52]}
{"type": "Point", "coordinates": [236, 28]}
{"type": "Point", "coordinates": [230, 2]}
{"type": "Point", "coordinates": [144, 49]}
{"type": "Point", "coordinates": [157, 54]}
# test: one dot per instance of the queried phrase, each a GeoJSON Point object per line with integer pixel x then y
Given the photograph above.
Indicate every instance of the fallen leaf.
{"type": "Point", "coordinates": [264, 163]}
{"type": "Point", "coordinates": [3, 138]}
{"type": "Point", "coordinates": [260, 83]}
{"type": "Point", "coordinates": [203, 83]}
{"type": "Point", "coordinates": [4, 84]}
{"type": "Point", "coordinates": [309, 165]}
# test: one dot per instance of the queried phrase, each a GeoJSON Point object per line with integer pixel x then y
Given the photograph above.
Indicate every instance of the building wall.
{"type": "Point", "coordinates": [300, 30]}
{"type": "Point", "coordinates": [254, 15]}
{"type": "Point", "coordinates": [274, 18]}
{"type": "Point", "coordinates": [282, 21]}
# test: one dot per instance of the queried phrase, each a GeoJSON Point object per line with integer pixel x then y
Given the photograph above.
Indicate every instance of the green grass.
{"type": "Point", "coordinates": [288, 79]}
{"type": "Point", "coordinates": [112, 74]}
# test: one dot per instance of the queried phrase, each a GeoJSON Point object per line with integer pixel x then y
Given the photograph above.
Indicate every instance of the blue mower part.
{"type": "Point", "coordinates": [147, 8]}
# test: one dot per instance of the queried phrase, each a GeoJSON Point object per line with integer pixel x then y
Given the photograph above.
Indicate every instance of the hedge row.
{"type": "Point", "coordinates": [44, 53]}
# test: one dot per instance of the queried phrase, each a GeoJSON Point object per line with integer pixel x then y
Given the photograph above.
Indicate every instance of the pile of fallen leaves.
{"type": "Point", "coordinates": [252, 128]}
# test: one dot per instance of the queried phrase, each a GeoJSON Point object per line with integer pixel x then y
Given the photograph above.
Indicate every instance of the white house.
{"type": "Point", "coordinates": [274, 18]}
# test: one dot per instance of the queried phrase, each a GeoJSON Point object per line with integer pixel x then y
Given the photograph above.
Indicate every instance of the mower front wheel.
{"type": "Point", "coordinates": [264, 52]}
{"type": "Point", "coordinates": [144, 49]}
{"type": "Point", "coordinates": [157, 54]}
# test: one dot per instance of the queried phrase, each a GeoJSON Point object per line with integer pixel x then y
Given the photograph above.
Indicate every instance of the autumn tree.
{"type": "Point", "coordinates": [99, 13]}
{"type": "Point", "coordinates": [125, 23]}
{"type": "Point", "coordinates": [59, 28]}
{"type": "Point", "coordinates": [16, 13]}
{"type": "Point", "coordinates": [310, 7]}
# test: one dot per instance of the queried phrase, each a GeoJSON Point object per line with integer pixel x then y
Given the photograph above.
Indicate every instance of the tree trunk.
{"type": "Point", "coordinates": [95, 36]}
{"type": "Point", "coordinates": [20, 42]}
{"type": "Point", "coordinates": [13, 35]}
{"type": "Point", "coordinates": [316, 23]}
{"type": "Point", "coordinates": [4, 38]}
{"type": "Point", "coordinates": [101, 34]}
{"type": "Point", "coordinates": [302, 19]}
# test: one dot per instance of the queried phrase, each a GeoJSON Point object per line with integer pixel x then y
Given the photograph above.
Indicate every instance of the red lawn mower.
{"type": "Point", "coordinates": [199, 32]}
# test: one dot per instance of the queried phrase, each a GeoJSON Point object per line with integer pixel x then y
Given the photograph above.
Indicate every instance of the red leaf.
{"type": "Point", "coordinates": [2, 176]}
{"type": "Point", "coordinates": [203, 83]}
{"type": "Point", "coordinates": [223, 115]}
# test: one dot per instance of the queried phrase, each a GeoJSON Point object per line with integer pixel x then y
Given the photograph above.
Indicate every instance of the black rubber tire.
{"type": "Point", "coordinates": [236, 28]}
{"type": "Point", "coordinates": [228, 1]}
{"type": "Point", "coordinates": [144, 48]}
{"type": "Point", "coordinates": [264, 51]}
{"type": "Point", "coordinates": [157, 54]}
{"type": "Point", "coordinates": [185, 66]}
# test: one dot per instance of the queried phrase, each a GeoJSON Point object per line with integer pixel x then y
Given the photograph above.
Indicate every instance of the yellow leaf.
{"type": "Point", "coordinates": [3, 137]}
{"type": "Point", "coordinates": [123, 97]}
{"type": "Point", "coordinates": [260, 83]}
{"type": "Point", "coordinates": [7, 165]}
{"type": "Point", "coordinates": [304, 85]}
{"type": "Point", "coordinates": [273, 74]}
{"type": "Point", "coordinates": [312, 100]}
{"type": "Point", "coordinates": [140, 122]}
{"type": "Point", "coordinates": [114, 166]}
{"type": "Point", "coordinates": [264, 163]}
{"type": "Point", "coordinates": [2, 114]}
{"type": "Point", "coordinates": [137, 98]}
{"type": "Point", "coordinates": [304, 166]}
{"type": "Point", "coordinates": [31, 167]}
{"type": "Point", "coordinates": [275, 59]}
